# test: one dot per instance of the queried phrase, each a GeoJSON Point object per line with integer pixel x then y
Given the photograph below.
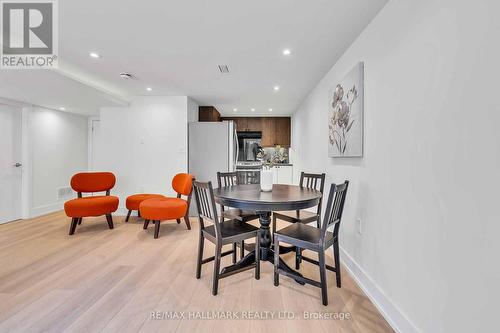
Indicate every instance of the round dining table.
{"type": "Point", "coordinates": [281, 198]}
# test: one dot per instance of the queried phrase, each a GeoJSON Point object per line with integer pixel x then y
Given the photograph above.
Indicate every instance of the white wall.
{"type": "Point", "coordinates": [144, 144]}
{"type": "Point", "coordinates": [57, 150]}
{"type": "Point", "coordinates": [192, 107]}
{"type": "Point", "coordinates": [426, 188]}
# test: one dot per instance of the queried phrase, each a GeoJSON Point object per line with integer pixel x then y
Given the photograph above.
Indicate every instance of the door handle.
{"type": "Point", "coordinates": [17, 165]}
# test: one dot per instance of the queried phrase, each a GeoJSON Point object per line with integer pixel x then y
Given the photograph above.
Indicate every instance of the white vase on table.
{"type": "Point", "coordinates": [266, 180]}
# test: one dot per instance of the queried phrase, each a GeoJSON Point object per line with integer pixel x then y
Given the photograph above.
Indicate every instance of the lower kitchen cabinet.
{"type": "Point", "coordinates": [283, 174]}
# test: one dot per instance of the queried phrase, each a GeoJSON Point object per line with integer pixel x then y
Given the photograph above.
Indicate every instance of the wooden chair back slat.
{"type": "Point", "coordinates": [334, 208]}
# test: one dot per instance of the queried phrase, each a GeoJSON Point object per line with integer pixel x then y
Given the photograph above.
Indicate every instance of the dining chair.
{"type": "Point", "coordinates": [311, 181]}
{"type": "Point", "coordinates": [225, 179]}
{"type": "Point", "coordinates": [316, 240]}
{"type": "Point", "coordinates": [220, 232]}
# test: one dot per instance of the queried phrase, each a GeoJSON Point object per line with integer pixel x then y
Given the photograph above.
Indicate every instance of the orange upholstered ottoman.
{"type": "Point", "coordinates": [135, 200]}
{"type": "Point", "coordinates": [161, 209]}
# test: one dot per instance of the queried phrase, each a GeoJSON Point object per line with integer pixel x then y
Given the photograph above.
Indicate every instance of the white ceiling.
{"type": "Point", "coordinates": [175, 46]}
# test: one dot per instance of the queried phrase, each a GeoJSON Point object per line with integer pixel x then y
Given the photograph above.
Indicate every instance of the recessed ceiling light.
{"type": "Point", "coordinates": [276, 88]}
{"type": "Point", "coordinates": [235, 109]}
{"type": "Point", "coordinates": [270, 110]}
{"type": "Point", "coordinates": [62, 108]}
{"type": "Point", "coordinates": [286, 52]}
{"type": "Point", "coordinates": [94, 55]}
{"type": "Point", "coordinates": [149, 89]}
{"type": "Point", "coordinates": [252, 109]}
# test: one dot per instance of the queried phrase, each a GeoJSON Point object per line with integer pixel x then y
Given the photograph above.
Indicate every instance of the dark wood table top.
{"type": "Point", "coordinates": [281, 198]}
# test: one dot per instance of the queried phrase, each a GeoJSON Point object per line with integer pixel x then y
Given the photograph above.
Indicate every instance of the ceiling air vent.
{"type": "Point", "coordinates": [126, 76]}
{"type": "Point", "coordinates": [223, 69]}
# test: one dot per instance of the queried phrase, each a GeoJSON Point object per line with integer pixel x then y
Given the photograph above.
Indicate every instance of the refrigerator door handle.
{"type": "Point", "coordinates": [237, 147]}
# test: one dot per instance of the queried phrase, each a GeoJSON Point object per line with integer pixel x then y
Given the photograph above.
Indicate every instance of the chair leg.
{"type": "Point", "coordinates": [218, 251]}
{"type": "Point", "coordinates": [157, 228]}
{"type": "Point", "coordinates": [336, 256]}
{"type": "Point", "coordinates": [200, 255]}
{"type": "Point", "coordinates": [128, 215]}
{"type": "Point", "coordinates": [276, 262]}
{"type": "Point", "coordinates": [80, 220]}
{"type": "Point", "coordinates": [298, 257]}
{"type": "Point", "coordinates": [186, 219]}
{"type": "Point", "coordinates": [257, 257]}
{"type": "Point", "coordinates": [322, 275]}
{"type": "Point", "coordinates": [109, 218]}
{"type": "Point", "coordinates": [146, 223]}
{"type": "Point", "coordinates": [242, 249]}
{"type": "Point", "coordinates": [234, 253]}
{"type": "Point", "coordinates": [178, 221]}
{"type": "Point", "coordinates": [72, 227]}
{"type": "Point", "coordinates": [273, 226]}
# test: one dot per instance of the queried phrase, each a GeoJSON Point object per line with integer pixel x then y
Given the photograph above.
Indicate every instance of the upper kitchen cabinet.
{"type": "Point", "coordinates": [208, 113]}
{"type": "Point", "coordinates": [254, 124]}
{"type": "Point", "coordinates": [275, 130]}
{"type": "Point", "coordinates": [282, 133]}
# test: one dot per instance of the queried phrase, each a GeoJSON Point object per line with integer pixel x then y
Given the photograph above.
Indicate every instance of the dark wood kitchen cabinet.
{"type": "Point", "coordinates": [282, 131]}
{"type": "Point", "coordinates": [208, 113]}
{"type": "Point", "coordinates": [275, 130]}
{"type": "Point", "coordinates": [254, 124]}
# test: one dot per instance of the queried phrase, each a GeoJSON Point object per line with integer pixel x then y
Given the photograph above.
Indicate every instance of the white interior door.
{"type": "Point", "coordinates": [96, 145]}
{"type": "Point", "coordinates": [10, 164]}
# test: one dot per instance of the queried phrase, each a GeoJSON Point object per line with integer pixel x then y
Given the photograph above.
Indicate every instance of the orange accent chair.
{"type": "Point", "coordinates": [135, 200]}
{"type": "Point", "coordinates": [161, 209]}
{"type": "Point", "coordinates": [90, 182]}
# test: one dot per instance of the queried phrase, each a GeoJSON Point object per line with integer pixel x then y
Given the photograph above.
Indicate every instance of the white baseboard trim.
{"type": "Point", "coordinates": [46, 209]}
{"type": "Point", "coordinates": [394, 316]}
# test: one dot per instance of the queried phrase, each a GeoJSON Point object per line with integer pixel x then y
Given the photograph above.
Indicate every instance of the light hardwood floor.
{"type": "Point", "coordinates": [102, 280]}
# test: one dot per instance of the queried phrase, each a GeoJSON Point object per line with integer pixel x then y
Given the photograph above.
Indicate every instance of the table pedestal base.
{"type": "Point", "coordinates": [266, 252]}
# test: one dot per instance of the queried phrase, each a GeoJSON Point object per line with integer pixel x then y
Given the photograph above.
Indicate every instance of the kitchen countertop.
{"type": "Point", "coordinates": [283, 164]}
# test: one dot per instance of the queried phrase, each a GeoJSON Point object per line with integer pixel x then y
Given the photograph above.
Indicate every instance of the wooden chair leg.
{"type": "Point", "coordinates": [80, 220]}
{"type": "Point", "coordinates": [215, 286]}
{"type": "Point", "coordinates": [128, 215]}
{"type": "Point", "coordinates": [139, 213]}
{"type": "Point", "coordinates": [273, 227]}
{"type": "Point", "coordinates": [200, 255]}
{"type": "Point", "coordinates": [234, 253]}
{"type": "Point", "coordinates": [109, 218]}
{"type": "Point", "coordinates": [322, 275]}
{"type": "Point", "coordinates": [276, 262]}
{"type": "Point", "coordinates": [298, 257]}
{"type": "Point", "coordinates": [336, 256]}
{"type": "Point", "coordinates": [242, 249]}
{"type": "Point", "coordinates": [72, 227]}
{"type": "Point", "coordinates": [178, 221]}
{"type": "Point", "coordinates": [146, 223]}
{"type": "Point", "coordinates": [257, 257]}
{"type": "Point", "coordinates": [186, 219]}
{"type": "Point", "coordinates": [157, 228]}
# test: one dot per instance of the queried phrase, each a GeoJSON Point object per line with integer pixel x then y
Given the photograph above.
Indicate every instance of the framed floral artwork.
{"type": "Point", "coordinates": [345, 116]}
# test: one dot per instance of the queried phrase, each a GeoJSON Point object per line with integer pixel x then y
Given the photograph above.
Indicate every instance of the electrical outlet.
{"type": "Point", "coordinates": [359, 225]}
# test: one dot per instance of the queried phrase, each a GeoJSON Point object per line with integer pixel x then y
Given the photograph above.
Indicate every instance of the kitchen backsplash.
{"type": "Point", "coordinates": [276, 154]}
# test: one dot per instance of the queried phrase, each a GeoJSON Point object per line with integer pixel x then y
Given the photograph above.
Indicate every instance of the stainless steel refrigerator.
{"type": "Point", "coordinates": [213, 146]}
